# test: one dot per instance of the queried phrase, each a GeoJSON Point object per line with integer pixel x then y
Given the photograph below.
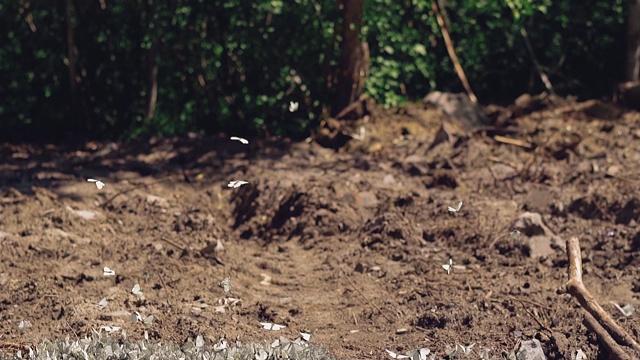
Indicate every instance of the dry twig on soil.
{"type": "Point", "coordinates": [365, 298]}
{"type": "Point", "coordinates": [576, 288]}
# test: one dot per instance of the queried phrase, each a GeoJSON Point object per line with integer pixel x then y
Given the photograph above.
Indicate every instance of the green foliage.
{"type": "Point", "coordinates": [581, 47]}
{"type": "Point", "coordinates": [234, 65]}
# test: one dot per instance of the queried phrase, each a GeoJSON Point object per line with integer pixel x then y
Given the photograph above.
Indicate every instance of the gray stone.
{"type": "Point", "coordinates": [530, 350]}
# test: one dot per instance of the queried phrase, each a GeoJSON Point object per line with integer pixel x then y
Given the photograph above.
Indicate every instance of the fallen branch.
{"type": "Point", "coordinates": [612, 347]}
{"type": "Point", "coordinates": [576, 288]}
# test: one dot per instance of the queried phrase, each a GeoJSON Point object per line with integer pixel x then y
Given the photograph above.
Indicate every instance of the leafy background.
{"type": "Point", "coordinates": [234, 65]}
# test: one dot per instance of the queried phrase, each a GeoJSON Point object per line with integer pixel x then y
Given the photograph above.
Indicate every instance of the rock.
{"type": "Point", "coordinates": [415, 165]}
{"type": "Point", "coordinates": [630, 212]}
{"type": "Point", "coordinates": [458, 107]}
{"type": "Point", "coordinates": [600, 110]}
{"type": "Point", "coordinates": [85, 214]}
{"type": "Point", "coordinates": [367, 199]}
{"type": "Point", "coordinates": [157, 201]}
{"type": "Point", "coordinates": [628, 94]}
{"type": "Point", "coordinates": [540, 240]}
{"type": "Point", "coordinates": [530, 350]}
{"type": "Point", "coordinates": [539, 200]}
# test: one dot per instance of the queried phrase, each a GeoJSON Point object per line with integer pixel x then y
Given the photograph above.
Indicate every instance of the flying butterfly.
{"type": "Point", "coordinates": [242, 140]}
{"type": "Point", "coordinates": [455, 209]}
{"type": "Point", "coordinates": [99, 184]}
{"type": "Point", "coordinates": [237, 183]}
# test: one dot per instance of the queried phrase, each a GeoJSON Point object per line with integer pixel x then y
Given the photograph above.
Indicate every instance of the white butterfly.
{"type": "Point", "coordinates": [137, 291]}
{"type": "Point", "coordinates": [148, 320]}
{"type": "Point", "coordinates": [466, 350]}
{"type": "Point", "coordinates": [110, 329]}
{"type": "Point", "coordinates": [420, 354]}
{"type": "Point", "coordinates": [448, 267]}
{"type": "Point", "coordinates": [242, 140]}
{"type": "Point", "coordinates": [108, 272]}
{"type": "Point", "coordinates": [626, 310]}
{"type": "Point", "coordinates": [103, 304]}
{"type": "Point", "coordinates": [135, 316]}
{"type": "Point", "coordinates": [361, 135]}
{"type": "Point", "coordinates": [99, 184]}
{"type": "Point", "coordinates": [455, 209]}
{"type": "Point", "coordinates": [515, 235]}
{"type": "Point", "coordinates": [226, 284]}
{"type": "Point", "coordinates": [396, 356]}
{"type": "Point", "coordinates": [579, 355]}
{"type": "Point", "coordinates": [222, 344]}
{"type": "Point", "coordinates": [271, 326]}
{"type": "Point", "coordinates": [23, 324]}
{"type": "Point", "coordinates": [237, 183]}
{"type": "Point", "coordinates": [199, 341]}
{"type": "Point", "coordinates": [305, 336]}
{"type": "Point", "coordinates": [261, 354]}
{"type": "Point", "coordinates": [293, 106]}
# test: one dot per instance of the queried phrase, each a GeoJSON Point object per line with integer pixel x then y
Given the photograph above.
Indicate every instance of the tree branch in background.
{"type": "Point", "coordinates": [543, 75]}
{"type": "Point", "coordinates": [452, 53]}
{"type": "Point", "coordinates": [632, 66]}
{"type": "Point", "coordinates": [152, 79]}
{"type": "Point", "coordinates": [71, 54]}
{"type": "Point", "coordinates": [576, 288]}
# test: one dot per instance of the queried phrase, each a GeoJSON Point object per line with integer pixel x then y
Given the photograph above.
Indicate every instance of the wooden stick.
{"type": "Point", "coordinates": [576, 288]}
{"type": "Point", "coordinates": [452, 53]}
{"type": "Point", "coordinates": [510, 141]}
{"type": "Point", "coordinates": [605, 338]}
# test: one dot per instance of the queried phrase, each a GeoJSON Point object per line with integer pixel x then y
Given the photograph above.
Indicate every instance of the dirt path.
{"type": "Point", "coordinates": [348, 245]}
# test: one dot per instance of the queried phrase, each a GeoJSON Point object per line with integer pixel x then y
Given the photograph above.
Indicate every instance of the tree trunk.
{"type": "Point", "coordinates": [71, 53]}
{"type": "Point", "coordinates": [354, 64]}
{"type": "Point", "coordinates": [633, 46]}
{"type": "Point", "coordinates": [152, 80]}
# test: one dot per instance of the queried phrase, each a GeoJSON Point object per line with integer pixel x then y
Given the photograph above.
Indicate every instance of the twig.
{"type": "Point", "coordinates": [543, 75]}
{"type": "Point", "coordinates": [605, 338]}
{"type": "Point", "coordinates": [104, 204]}
{"type": "Point", "coordinates": [72, 329]}
{"type": "Point", "coordinates": [510, 141]}
{"type": "Point", "coordinates": [576, 288]}
{"type": "Point", "coordinates": [350, 107]}
{"type": "Point", "coordinates": [181, 248]}
{"type": "Point", "coordinates": [452, 53]}
{"type": "Point", "coordinates": [535, 317]}
{"type": "Point", "coordinates": [365, 298]}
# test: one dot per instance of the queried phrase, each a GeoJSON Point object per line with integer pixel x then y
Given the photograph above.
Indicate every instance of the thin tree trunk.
{"type": "Point", "coordinates": [632, 67]}
{"type": "Point", "coordinates": [353, 58]}
{"type": "Point", "coordinates": [152, 80]}
{"type": "Point", "coordinates": [71, 53]}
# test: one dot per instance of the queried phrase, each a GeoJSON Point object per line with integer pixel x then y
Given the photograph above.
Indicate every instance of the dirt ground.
{"type": "Point", "coordinates": [347, 245]}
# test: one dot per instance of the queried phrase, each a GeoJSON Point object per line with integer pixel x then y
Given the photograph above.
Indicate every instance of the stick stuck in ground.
{"type": "Point", "coordinates": [576, 288]}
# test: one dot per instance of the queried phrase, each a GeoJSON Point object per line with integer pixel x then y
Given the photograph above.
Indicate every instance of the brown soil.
{"type": "Point", "coordinates": [352, 240]}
